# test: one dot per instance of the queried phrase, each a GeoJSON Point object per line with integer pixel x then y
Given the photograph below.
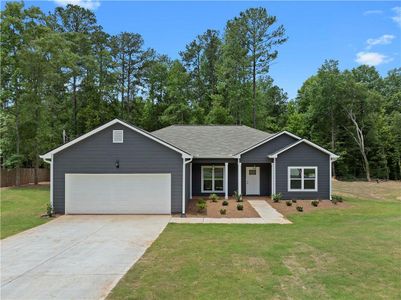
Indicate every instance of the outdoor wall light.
{"type": "Point", "coordinates": [117, 163]}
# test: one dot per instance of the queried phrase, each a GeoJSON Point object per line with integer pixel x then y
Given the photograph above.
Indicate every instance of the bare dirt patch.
{"type": "Point", "coordinates": [213, 209]}
{"type": "Point", "coordinates": [379, 190]}
{"type": "Point", "coordinates": [306, 204]}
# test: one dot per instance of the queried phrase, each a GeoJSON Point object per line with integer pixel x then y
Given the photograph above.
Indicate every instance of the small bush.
{"type": "Point", "coordinates": [49, 210]}
{"type": "Point", "coordinates": [201, 200]}
{"type": "Point", "coordinates": [223, 211]}
{"type": "Point", "coordinates": [237, 197]}
{"type": "Point", "coordinates": [277, 197]}
{"type": "Point", "coordinates": [214, 197]}
{"type": "Point", "coordinates": [225, 203]}
{"type": "Point", "coordinates": [315, 203]}
{"type": "Point", "coordinates": [300, 208]}
{"type": "Point", "coordinates": [294, 200]}
{"type": "Point", "coordinates": [240, 207]}
{"type": "Point", "coordinates": [338, 198]}
{"type": "Point", "coordinates": [201, 206]}
{"type": "Point", "coordinates": [334, 201]}
{"type": "Point", "coordinates": [289, 203]}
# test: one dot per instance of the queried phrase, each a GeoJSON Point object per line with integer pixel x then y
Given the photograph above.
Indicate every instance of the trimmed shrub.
{"type": "Point", "coordinates": [201, 206]}
{"type": "Point", "coordinates": [294, 200]}
{"type": "Point", "coordinates": [223, 211]}
{"type": "Point", "coordinates": [334, 201]}
{"type": "Point", "coordinates": [201, 200]}
{"type": "Point", "coordinates": [240, 207]}
{"type": "Point", "coordinates": [315, 203]}
{"type": "Point", "coordinates": [49, 210]}
{"type": "Point", "coordinates": [237, 197]}
{"type": "Point", "coordinates": [214, 197]}
{"type": "Point", "coordinates": [288, 202]}
{"type": "Point", "coordinates": [338, 198]}
{"type": "Point", "coordinates": [225, 203]}
{"type": "Point", "coordinates": [300, 208]}
{"type": "Point", "coordinates": [277, 197]}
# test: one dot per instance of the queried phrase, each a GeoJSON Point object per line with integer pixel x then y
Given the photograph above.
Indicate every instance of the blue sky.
{"type": "Point", "coordinates": [352, 32]}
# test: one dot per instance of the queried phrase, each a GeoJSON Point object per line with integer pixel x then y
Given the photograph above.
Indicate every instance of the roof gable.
{"type": "Point", "coordinates": [49, 154]}
{"type": "Point", "coordinates": [277, 153]}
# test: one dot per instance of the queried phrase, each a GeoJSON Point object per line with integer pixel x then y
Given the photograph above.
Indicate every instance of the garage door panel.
{"type": "Point", "coordinates": [118, 193]}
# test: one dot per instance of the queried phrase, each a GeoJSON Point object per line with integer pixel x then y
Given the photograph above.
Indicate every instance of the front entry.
{"type": "Point", "coordinates": [253, 180]}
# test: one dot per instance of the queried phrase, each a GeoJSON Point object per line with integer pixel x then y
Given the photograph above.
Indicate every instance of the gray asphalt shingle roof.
{"type": "Point", "coordinates": [211, 141]}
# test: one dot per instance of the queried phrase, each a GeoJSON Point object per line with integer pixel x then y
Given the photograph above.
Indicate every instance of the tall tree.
{"type": "Point", "coordinates": [261, 40]}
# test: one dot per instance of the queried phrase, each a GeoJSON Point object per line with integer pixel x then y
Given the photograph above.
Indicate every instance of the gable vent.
{"type": "Point", "coordinates": [118, 136]}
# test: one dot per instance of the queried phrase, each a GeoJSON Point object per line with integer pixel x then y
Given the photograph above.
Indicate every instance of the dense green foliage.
{"type": "Point", "coordinates": [60, 72]}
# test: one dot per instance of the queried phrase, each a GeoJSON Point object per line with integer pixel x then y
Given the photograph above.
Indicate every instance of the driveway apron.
{"type": "Point", "coordinates": [75, 257]}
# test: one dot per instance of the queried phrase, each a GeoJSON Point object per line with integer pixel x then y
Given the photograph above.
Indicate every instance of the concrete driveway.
{"type": "Point", "coordinates": [75, 257]}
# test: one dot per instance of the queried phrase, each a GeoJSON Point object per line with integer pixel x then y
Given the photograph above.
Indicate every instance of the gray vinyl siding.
{"type": "Point", "coordinates": [98, 154]}
{"type": "Point", "coordinates": [265, 178]}
{"type": "Point", "coordinates": [260, 153]}
{"type": "Point", "coordinates": [303, 155]}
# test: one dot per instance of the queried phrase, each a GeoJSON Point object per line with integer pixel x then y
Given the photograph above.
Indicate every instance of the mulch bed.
{"type": "Point", "coordinates": [213, 210]}
{"type": "Point", "coordinates": [306, 204]}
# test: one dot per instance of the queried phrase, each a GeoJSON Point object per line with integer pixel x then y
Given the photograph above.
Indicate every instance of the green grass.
{"type": "Point", "coordinates": [21, 208]}
{"type": "Point", "coordinates": [351, 253]}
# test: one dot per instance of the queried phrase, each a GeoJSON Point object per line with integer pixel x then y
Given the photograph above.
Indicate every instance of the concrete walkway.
{"type": "Point", "coordinates": [75, 257]}
{"type": "Point", "coordinates": [268, 215]}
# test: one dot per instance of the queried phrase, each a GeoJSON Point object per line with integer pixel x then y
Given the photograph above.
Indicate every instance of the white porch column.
{"type": "Point", "coordinates": [190, 181]}
{"type": "Point", "coordinates": [226, 180]}
{"type": "Point", "coordinates": [239, 177]}
{"type": "Point", "coordinates": [183, 186]}
{"type": "Point", "coordinates": [274, 176]}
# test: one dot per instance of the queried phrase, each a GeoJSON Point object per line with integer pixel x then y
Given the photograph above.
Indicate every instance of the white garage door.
{"type": "Point", "coordinates": [117, 193]}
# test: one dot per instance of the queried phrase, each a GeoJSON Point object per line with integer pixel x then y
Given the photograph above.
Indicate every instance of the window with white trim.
{"type": "Point", "coordinates": [118, 136]}
{"type": "Point", "coordinates": [212, 179]}
{"type": "Point", "coordinates": [302, 179]}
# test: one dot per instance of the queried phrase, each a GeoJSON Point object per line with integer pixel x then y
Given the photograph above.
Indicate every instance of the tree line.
{"type": "Point", "coordinates": [63, 75]}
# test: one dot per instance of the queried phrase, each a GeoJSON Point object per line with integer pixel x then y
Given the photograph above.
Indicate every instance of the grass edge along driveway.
{"type": "Point", "coordinates": [349, 253]}
{"type": "Point", "coordinates": [21, 208]}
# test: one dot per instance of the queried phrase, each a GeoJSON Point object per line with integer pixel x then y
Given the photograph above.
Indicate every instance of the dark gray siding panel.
{"type": "Point", "coordinates": [303, 155]}
{"type": "Point", "coordinates": [259, 154]}
{"type": "Point", "coordinates": [196, 178]}
{"type": "Point", "coordinates": [265, 178]}
{"type": "Point", "coordinates": [98, 154]}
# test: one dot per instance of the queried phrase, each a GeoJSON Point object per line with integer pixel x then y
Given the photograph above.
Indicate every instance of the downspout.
{"type": "Point", "coordinates": [184, 163]}
{"type": "Point", "coordinates": [50, 162]}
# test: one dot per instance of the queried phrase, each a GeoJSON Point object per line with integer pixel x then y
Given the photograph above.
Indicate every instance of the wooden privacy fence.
{"type": "Point", "coordinates": [27, 175]}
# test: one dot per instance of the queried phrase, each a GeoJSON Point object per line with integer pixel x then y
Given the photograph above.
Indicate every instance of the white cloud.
{"type": "Point", "coordinates": [397, 17]}
{"type": "Point", "coordinates": [385, 39]}
{"type": "Point", "coordinates": [89, 4]}
{"type": "Point", "coordinates": [372, 58]}
{"type": "Point", "coordinates": [372, 12]}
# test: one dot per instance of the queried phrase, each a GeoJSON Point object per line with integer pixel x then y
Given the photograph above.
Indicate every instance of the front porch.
{"type": "Point", "coordinates": [224, 177]}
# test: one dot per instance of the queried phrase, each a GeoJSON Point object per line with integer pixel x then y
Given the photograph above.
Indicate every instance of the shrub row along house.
{"type": "Point", "coordinates": [118, 168]}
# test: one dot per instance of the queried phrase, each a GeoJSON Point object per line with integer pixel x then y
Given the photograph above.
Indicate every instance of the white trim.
{"type": "Point", "coordinates": [226, 180]}
{"type": "Point", "coordinates": [117, 132]}
{"type": "Point", "coordinates": [330, 177]}
{"type": "Point", "coordinates": [239, 177]}
{"type": "Point", "coordinates": [184, 162]}
{"type": "Point", "coordinates": [267, 140]}
{"type": "Point", "coordinates": [115, 121]}
{"type": "Point", "coordinates": [274, 176]}
{"type": "Point", "coordinates": [190, 181]}
{"type": "Point", "coordinates": [213, 188]}
{"type": "Point", "coordinates": [302, 179]}
{"type": "Point", "coordinates": [332, 155]}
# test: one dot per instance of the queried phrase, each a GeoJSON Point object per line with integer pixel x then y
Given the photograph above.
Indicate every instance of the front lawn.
{"type": "Point", "coordinates": [22, 207]}
{"type": "Point", "coordinates": [351, 253]}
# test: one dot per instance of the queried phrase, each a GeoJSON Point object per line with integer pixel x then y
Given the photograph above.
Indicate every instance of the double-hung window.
{"type": "Point", "coordinates": [212, 179]}
{"type": "Point", "coordinates": [302, 179]}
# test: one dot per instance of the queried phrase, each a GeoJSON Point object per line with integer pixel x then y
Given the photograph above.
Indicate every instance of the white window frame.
{"type": "Point", "coordinates": [116, 132]}
{"type": "Point", "coordinates": [213, 187]}
{"type": "Point", "coordinates": [302, 189]}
